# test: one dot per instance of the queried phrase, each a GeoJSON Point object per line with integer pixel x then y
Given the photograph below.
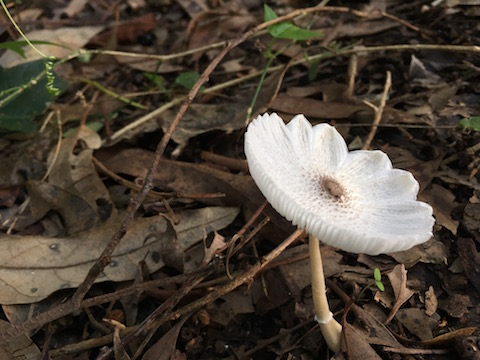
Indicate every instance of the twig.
{"type": "Point", "coordinates": [413, 351]}
{"type": "Point", "coordinates": [241, 232]}
{"type": "Point", "coordinates": [378, 111]}
{"type": "Point", "coordinates": [243, 278]}
{"type": "Point", "coordinates": [352, 74]}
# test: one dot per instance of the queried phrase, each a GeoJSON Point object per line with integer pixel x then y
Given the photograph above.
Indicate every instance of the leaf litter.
{"type": "Point", "coordinates": [189, 271]}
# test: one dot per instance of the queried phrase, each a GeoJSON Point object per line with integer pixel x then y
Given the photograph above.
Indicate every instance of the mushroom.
{"type": "Point", "coordinates": [354, 201]}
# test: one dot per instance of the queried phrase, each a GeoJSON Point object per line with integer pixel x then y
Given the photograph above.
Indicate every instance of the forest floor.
{"type": "Point", "coordinates": [131, 227]}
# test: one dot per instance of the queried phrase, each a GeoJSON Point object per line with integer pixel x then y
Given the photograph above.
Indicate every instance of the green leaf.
{"type": "Point", "coordinates": [156, 79]}
{"type": "Point", "coordinates": [19, 113]}
{"type": "Point", "coordinates": [269, 14]}
{"type": "Point", "coordinates": [380, 285]}
{"type": "Point", "coordinates": [378, 279]}
{"type": "Point", "coordinates": [472, 123]}
{"type": "Point", "coordinates": [286, 30]}
{"type": "Point", "coordinates": [188, 79]}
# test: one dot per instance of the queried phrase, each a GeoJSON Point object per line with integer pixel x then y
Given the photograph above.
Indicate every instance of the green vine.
{"type": "Point", "coordinates": [48, 60]}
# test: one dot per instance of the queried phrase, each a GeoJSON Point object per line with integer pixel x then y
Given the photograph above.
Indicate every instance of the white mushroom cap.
{"type": "Point", "coordinates": [354, 201]}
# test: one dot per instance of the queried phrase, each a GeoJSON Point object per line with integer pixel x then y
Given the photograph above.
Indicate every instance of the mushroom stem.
{"type": "Point", "coordinates": [331, 329]}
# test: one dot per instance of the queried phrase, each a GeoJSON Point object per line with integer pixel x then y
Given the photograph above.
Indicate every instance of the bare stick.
{"type": "Point", "coordinates": [378, 111]}
{"type": "Point", "coordinates": [352, 74]}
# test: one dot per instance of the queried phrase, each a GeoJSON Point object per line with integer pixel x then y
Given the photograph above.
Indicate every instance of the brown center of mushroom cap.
{"type": "Point", "coordinates": [333, 188]}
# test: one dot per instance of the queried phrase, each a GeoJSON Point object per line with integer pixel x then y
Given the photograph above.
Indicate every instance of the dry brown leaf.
{"type": "Point", "coordinates": [435, 101]}
{"type": "Point", "coordinates": [164, 348]}
{"type": "Point", "coordinates": [443, 202]}
{"type": "Point", "coordinates": [297, 274]}
{"type": "Point", "coordinates": [8, 196]}
{"type": "Point", "coordinates": [471, 220]}
{"type": "Point", "coordinates": [456, 305]}
{"type": "Point", "coordinates": [417, 322]}
{"type": "Point", "coordinates": [448, 337]}
{"type": "Point", "coordinates": [128, 31]}
{"type": "Point", "coordinates": [76, 213]}
{"type": "Point", "coordinates": [433, 251]}
{"type": "Point", "coordinates": [73, 8]}
{"type": "Point", "coordinates": [217, 246]}
{"type": "Point", "coordinates": [74, 188]}
{"type": "Point", "coordinates": [64, 263]}
{"type": "Point", "coordinates": [270, 293]}
{"type": "Point", "coordinates": [357, 346]}
{"type": "Point", "coordinates": [398, 279]}
{"type": "Point", "coordinates": [470, 260]}
{"type": "Point", "coordinates": [329, 91]}
{"type": "Point", "coordinates": [418, 74]}
{"type": "Point", "coordinates": [431, 302]}
{"type": "Point", "coordinates": [68, 40]}
{"type": "Point", "coordinates": [317, 108]}
{"type": "Point", "coordinates": [188, 178]}
{"type": "Point", "coordinates": [239, 301]}
{"type": "Point", "coordinates": [236, 302]}
{"type": "Point", "coordinates": [28, 15]}
{"type": "Point", "coordinates": [20, 347]}
{"type": "Point", "coordinates": [208, 26]}
{"type": "Point", "coordinates": [376, 332]}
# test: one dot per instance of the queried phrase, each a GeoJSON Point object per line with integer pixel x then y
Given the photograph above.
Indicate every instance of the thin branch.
{"type": "Point", "coordinates": [378, 111]}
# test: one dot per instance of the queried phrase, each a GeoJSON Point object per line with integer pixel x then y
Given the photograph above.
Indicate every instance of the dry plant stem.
{"type": "Point", "coordinates": [378, 111]}
{"type": "Point", "coordinates": [331, 329]}
{"type": "Point", "coordinates": [352, 74]}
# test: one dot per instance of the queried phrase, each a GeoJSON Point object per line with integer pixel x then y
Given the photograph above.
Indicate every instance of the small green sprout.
{"type": "Point", "coordinates": [378, 279]}
{"type": "Point", "coordinates": [472, 123]}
